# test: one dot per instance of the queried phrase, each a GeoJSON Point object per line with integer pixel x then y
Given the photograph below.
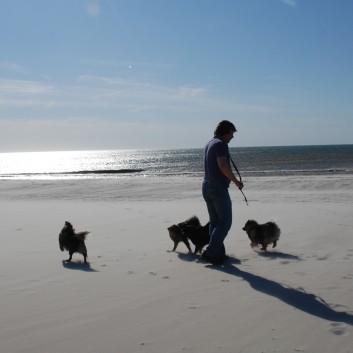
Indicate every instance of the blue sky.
{"type": "Point", "coordinates": [116, 74]}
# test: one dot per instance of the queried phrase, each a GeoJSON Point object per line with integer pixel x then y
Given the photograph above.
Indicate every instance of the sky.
{"type": "Point", "coordinates": [126, 74]}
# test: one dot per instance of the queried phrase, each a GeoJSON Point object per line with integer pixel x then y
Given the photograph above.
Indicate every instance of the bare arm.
{"type": "Point", "coordinates": [227, 171]}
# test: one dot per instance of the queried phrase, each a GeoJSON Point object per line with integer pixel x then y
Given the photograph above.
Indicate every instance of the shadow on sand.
{"type": "Point", "coordinates": [278, 255]}
{"type": "Point", "coordinates": [188, 257]}
{"type": "Point", "coordinates": [80, 266]}
{"type": "Point", "coordinates": [297, 298]}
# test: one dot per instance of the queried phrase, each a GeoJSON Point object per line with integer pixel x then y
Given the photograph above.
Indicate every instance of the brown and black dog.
{"type": "Point", "coordinates": [192, 230]}
{"type": "Point", "coordinates": [263, 234]}
{"type": "Point", "coordinates": [73, 242]}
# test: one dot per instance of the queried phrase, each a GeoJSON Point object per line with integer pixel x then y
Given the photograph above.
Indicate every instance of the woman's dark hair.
{"type": "Point", "coordinates": [223, 127]}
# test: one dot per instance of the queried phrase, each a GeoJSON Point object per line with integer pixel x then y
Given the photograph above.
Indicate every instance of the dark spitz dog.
{"type": "Point", "coordinates": [199, 236]}
{"type": "Point", "coordinates": [262, 234]}
{"type": "Point", "coordinates": [73, 241]}
{"type": "Point", "coordinates": [192, 230]}
{"type": "Point", "coordinates": [176, 231]}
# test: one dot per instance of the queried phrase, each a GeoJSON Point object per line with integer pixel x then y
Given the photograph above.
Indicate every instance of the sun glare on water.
{"type": "Point", "coordinates": [31, 162]}
{"type": "Point", "coordinates": [56, 164]}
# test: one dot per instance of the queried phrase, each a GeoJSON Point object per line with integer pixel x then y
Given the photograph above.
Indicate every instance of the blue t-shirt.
{"type": "Point", "coordinates": [214, 149]}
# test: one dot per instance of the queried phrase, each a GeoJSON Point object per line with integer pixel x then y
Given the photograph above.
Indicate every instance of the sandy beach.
{"type": "Point", "coordinates": [136, 297]}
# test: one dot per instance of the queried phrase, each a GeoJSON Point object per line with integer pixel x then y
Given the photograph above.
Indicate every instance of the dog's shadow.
{"type": "Point", "coordinates": [187, 257]}
{"type": "Point", "coordinates": [278, 255]}
{"type": "Point", "coordinates": [80, 266]}
{"type": "Point", "coordinates": [297, 298]}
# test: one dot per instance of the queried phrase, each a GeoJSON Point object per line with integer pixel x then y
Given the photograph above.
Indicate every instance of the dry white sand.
{"type": "Point", "coordinates": [135, 297]}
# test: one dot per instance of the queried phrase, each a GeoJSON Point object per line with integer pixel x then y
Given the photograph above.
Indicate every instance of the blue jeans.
{"type": "Point", "coordinates": [219, 206]}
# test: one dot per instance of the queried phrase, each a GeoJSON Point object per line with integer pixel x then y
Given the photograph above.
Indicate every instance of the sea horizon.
{"type": "Point", "coordinates": [251, 161]}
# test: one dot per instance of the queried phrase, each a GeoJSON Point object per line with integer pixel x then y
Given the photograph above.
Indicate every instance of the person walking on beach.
{"type": "Point", "coordinates": [218, 176]}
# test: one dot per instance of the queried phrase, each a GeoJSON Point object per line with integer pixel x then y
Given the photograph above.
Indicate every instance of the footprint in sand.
{"type": "Point", "coordinates": [322, 258]}
{"type": "Point", "coordinates": [338, 329]}
{"type": "Point", "coordinates": [300, 273]}
{"type": "Point", "coordinates": [348, 276]}
{"type": "Point", "coordinates": [152, 273]}
{"type": "Point", "coordinates": [349, 255]}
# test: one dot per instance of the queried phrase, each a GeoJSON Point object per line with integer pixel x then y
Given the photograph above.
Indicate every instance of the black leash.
{"type": "Point", "coordinates": [235, 167]}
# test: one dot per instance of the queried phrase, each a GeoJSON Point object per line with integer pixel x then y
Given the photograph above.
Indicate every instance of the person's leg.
{"type": "Point", "coordinates": [222, 207]}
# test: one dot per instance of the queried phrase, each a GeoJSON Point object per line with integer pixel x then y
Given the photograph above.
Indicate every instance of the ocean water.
{"type": "Point", "coordinates": [251, 161]}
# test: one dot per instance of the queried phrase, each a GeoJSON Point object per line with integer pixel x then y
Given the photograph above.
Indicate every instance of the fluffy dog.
{"type": "Point", "coordinates": [263, 234]}
{"type": "Point", "coordinates": [199, 236]}
{"type": "Point", "coordinates": [176, 231]}
{"type": "Point", "coordinates": [73, 242]}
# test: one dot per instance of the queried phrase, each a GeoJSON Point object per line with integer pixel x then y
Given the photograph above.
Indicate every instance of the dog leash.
{"type": "Point", "coordinates": [235, 167]}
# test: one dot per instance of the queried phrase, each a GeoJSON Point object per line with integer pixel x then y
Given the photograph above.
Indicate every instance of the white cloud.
{"type": "Point", "coordinates": [292, 3]}
{"type": "Point", "coordinates": [10, 87]}
{"type": "Point", "coordinates": [12, 67]}
{"type": "Point", "coordinates": [116, 98]}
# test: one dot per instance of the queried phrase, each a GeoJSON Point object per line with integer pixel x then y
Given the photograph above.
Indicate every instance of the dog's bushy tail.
{"type": "Point", "coordinates": [82, 235]}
